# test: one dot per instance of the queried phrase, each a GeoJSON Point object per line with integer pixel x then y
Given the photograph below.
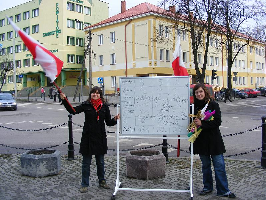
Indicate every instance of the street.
{"type": "Point", "coordinates": [45, 125]}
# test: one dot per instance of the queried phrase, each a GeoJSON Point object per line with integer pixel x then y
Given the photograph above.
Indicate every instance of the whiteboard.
{"type": "Point", "coordinates": [154, 105]}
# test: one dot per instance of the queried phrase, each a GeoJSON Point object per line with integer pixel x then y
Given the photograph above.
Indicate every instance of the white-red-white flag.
{"type": "Point", "coordinates": [51, 65]}
{"type": "Point", "coordinates": [177, 64]}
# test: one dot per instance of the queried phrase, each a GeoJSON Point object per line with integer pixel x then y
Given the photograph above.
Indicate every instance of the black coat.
{"type": "Point", "coordinates": [209, 141]}
{"type": "Point", "coordinates": [94, 139]}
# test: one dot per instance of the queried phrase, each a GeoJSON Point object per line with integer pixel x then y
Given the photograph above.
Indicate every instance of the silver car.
{"type": "Point", "coordinates": [7, 101]}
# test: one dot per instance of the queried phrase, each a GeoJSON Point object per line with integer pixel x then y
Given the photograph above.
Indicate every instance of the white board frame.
{"type": "Point", "coordinates": [154, 105]}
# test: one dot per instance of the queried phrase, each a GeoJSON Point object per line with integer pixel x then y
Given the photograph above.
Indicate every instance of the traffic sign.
{"type": "Point", "coordinates": [100, 80]}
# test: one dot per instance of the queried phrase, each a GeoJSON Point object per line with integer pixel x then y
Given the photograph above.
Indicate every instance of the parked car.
{"type": "Point", "coordinates": [7, 101]}
{"type": "Point", "coordinates": [262, 91]}
{"type": "Point", "coordinates": [250, 92]}
{"type": "Point", "coordinates": [209, 87]}
{"type": "Point", "coordinates": [239, 94]}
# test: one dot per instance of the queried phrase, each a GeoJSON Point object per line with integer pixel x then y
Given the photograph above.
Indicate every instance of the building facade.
{"type": "Point", "coordinates": [59, 26]}
{"type": "Point", "coordinates": [140, 41]}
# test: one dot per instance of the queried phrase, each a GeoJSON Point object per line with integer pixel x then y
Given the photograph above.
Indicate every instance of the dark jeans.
{"type": "Point", "coordinates": [86, 162]}
{"type": "Point", "coordinates": [220, 174]}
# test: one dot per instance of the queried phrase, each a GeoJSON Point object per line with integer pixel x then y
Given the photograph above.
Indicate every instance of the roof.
{"type": "Point", "coordinates": [139, 10]}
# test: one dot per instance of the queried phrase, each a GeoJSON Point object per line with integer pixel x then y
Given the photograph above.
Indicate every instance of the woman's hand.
{"type": "Point", "coordinates": [197, 121]}
{"type": "Point", "coordinates": [62, 96]}
{"type": "Point", "coordinates": [117, 117]}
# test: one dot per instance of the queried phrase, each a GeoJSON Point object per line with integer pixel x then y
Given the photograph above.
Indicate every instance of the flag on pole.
{"type": "Point", "coordinates": [51, 65]}
{"type": "Point", "coordinates": [178, 65]}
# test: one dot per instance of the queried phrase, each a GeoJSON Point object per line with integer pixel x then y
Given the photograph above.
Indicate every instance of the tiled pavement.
{"type": "Point", "coordinates": [246, 180]}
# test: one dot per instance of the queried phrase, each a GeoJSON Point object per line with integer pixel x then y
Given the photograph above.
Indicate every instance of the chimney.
{"type": "Point", "coordinates": [123, 6]}
{"type": "Point", "coordinates": [172, 9]}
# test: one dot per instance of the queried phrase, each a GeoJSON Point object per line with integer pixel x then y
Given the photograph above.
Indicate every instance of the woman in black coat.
{"type": "Point", "coordinates": [94, 138]}
{"type": "Point", "coordinates": [209, 144]}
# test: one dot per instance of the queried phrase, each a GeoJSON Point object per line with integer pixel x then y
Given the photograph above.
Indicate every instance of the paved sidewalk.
{"type": "Point", "coordinates": [246, 180]}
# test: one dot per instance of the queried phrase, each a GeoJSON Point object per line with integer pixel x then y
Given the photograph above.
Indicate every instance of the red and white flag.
{"type": "Point", "coordinates": [51, 65]}
{"type": "Point", "coordinates": [178, 65]}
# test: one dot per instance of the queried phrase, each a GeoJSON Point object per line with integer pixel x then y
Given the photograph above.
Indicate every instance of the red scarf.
{"type": "Point", "coordinates": [97, 105]}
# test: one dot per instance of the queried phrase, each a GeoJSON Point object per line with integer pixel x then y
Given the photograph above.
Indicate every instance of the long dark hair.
{"type": "Point", "coordinates": [206, 91]}
{"type": "Point", "coordinates": [95, 89]}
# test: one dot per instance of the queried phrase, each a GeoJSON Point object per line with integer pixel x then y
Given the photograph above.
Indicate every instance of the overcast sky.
{"type": "Point", "coordinates": [114, 5]}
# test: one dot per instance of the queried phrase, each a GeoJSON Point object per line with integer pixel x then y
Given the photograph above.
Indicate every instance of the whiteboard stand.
{"type": "Point", "coordinates": [118, 186]}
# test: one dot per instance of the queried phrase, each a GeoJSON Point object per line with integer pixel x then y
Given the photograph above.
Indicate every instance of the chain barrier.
{"type": "Point", "coordinates": [149, 147]}
{"type": "Point", "coordinates": [33, 130]}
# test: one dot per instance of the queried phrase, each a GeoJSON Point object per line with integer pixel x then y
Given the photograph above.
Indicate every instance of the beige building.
{"type": "Point", "coordinates": [140, 41]}
{"type": "Point", "coordinates": [58, 25]}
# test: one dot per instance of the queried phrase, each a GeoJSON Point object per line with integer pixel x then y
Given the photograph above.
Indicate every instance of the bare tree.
{"type": "Point", "coordinates": [5, 66]}
{"type": "Point", "coordinates": [231, 22]}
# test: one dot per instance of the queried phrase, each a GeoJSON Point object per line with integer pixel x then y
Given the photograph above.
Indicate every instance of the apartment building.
{"type": "Point", "coordinates": [56, 24]}
{"type": "Point", "coordinates": [140, 42]}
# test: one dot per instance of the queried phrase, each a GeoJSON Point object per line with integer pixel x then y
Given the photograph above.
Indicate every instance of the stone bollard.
{"type": "Point", "coordinates": [145, 164]}
{"type": "Point", "coordinates": [40, 163]}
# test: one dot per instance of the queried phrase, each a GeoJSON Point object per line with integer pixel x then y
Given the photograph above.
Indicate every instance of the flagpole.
{"type": "Point", "coordinates": [14, 69]}
{"type": "Point", "coordinates": [59, 90]}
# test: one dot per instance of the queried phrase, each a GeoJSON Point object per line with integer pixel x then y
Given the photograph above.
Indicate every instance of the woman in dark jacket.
{"type": "Point", "coordinates": [209, 144]}
{"type": "Point", "coordinates": [94, 139]}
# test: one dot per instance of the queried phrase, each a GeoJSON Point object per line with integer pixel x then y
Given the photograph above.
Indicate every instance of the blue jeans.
{"type": "Point", "coordinates": [220, 174]}
{"type": "Point", "coordinates": [86, 162]}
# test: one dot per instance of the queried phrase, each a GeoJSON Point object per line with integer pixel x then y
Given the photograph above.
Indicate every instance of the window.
{"type": "Point", "coordinates": [184, 34]}
{"type": "Point", "coordinates": [184, 56]}
{"type": "Point", "coordinates": [2, 22]}
{"type": "Point", "coordinates": [167, 56]}
{"type": "Point", "coordinates": [79, 25]}
{"type": "Point", "coordinates": [10, 79]}
{"type": "Point", "coordinates": [79, 59]}
{"type": "Point", "coordinates": [19, 80]}
{"type": "Point", "coordinates": [16, 34]}
{"type": "Point", "coordinates": [2, 37]}
{"type": "Point", "coordinates": [35, 29]}
{"type": "Point", "coordinates": [112, 37]}
{"type": "Point", "coordinates": [79, 8]}
{"type": "Point", "coordinates": [101, 60]}
{"type": "Point", "coordinates": [34, 63]}
{"type": "Point", "coordinates": [18, 48]}
{"type": "Point", "coordinates": [251, 65]}
{"type": "Point", "coordinates": [70, 40]}
{"type": "Point", "coordinates": [25, 48]}
{"type": "Point", "coordinates": [70, 6]}
{"type": "Point", "coordinates": [11, 20]}
{"type": "Point", "coordinates": [243, 64]}
{"type": "Point", "coordinates": [70, 58]}
{"type": "Point", "coordinates": [235, 63]}
{"type": "Point", "coordinates": [9, 35]}
{"type": "Point", "coordinates": [35, 12]}
{"type": "Point", "coordinates": [244, 81]}
{"type": "Point", "coordinates": [9, 50]}
{"type": "Point", "coordinates": [199, 58]}
{"type": "Point", "coordinates": [79, 42]}
{"type": "Point", "coordinates": [113, 61]}
{"type": "Point", "coordinates": [26, 15]}
{"type": "Point", "coordinates": [211, 41]}
{"type": "Point", "coordinates": [86, 24]}
{"type": "Point", "coordinates": [26, 62]}
{"type": "Point", "coordinates": [212, 61]}
{"type": "Point", "coordinates": [3, 51]}
{"type": "Point", "coordinates": [216, 61]}
{"type": "Point", "coordinates": [251, 80]}
{"type": "Point", "coordinates": [160, 30]}
{"type": "Point", "coordinates": [262, 65]}
{"type": "Point", "coordinates": [161, 55]}
{"type": "Point", "coordinates": [100, 39]}
{"type": "Point", "coordinates": [18, 18]}
{"type": "Point", "coordinates": [166, 32]}
{"type": "Point", "coordinates": [70, 23]}
{"type": "Point", "coordinates": [27, 30]}
{"type": "Point", "coordinates": [113, 79]}
{"type": "Point", "coordinates": [18, 63]}
{"type": "Point", "coordinates": [87, 10]}
{"type": "Point", "coordinates": [239, 63]}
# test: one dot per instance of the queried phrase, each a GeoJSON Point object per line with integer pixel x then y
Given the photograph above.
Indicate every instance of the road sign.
{"type": "Point", "coordinates": [100, 80]}
{"type": "Point", "coordinates": [20, 76]}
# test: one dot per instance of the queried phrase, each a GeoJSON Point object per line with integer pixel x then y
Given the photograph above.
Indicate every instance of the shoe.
{"type": "Point", "coordinates": [83, 189]}
{"type": "Point", "coordinates": [228, 194]}
{"type": "Point", "coordinates": [104, 185]}
{"type": "Point", "coordinates": [204, 192]}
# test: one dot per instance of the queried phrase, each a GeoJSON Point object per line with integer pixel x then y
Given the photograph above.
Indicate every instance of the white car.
{"type": "Point", "coordinates": [7, 101]}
